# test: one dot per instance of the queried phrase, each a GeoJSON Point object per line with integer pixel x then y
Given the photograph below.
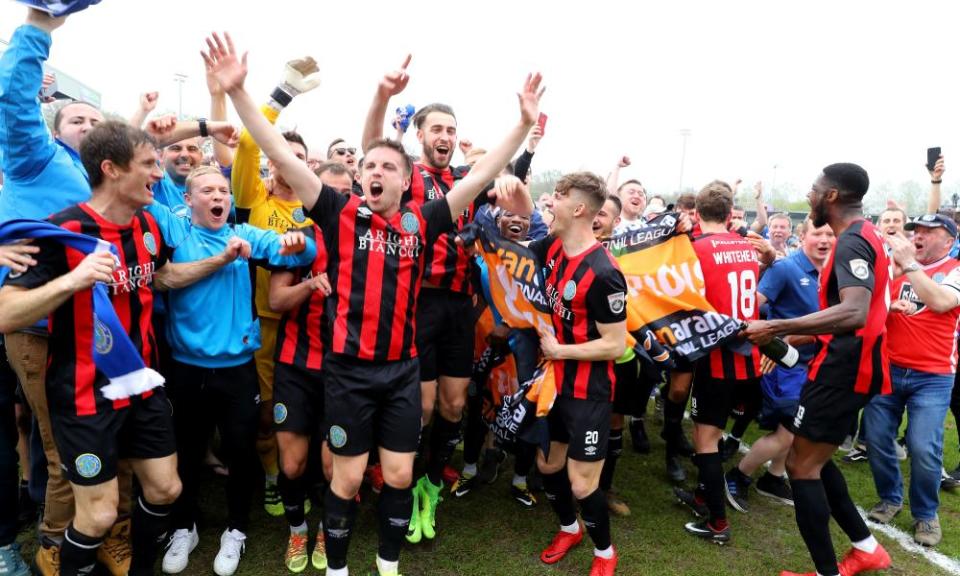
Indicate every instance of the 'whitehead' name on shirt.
{"type": "Point", "coordinates": [389, 243]}
{"type": "Point", "coordinates": [133, 278]}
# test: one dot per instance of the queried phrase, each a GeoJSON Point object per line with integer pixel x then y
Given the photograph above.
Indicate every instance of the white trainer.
{"type": "Point", "coordinates": [179, 548]}
{"type": "Point", "coordinates": [231, 549]}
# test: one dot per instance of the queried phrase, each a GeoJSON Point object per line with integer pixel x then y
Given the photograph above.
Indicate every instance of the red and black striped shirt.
{"type": "Point", "coordinates": [447, 265]}
{"type": "Point", "coordinates": [730, 270]}
{"type": "Point", "coordinates": [300, 336]}
{"type": "Point", "coordinates": [857, 359]}
{"type": "Point", "coordinates": [73, 381]}
{"type": "Point", "coordinates": [375, 266]}
{"type": "Point", "coordinates": [585, 290]}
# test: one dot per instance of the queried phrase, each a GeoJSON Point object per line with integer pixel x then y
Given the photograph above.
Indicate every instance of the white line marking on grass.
{"type": "Point", "coordinates": [906, 542]}
{"type": "Point", "coordinates": [942, 561]}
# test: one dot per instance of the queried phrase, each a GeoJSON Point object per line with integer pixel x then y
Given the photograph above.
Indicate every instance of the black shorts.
{"type": "Point", "coordinates": [297, 399]}
{"type": "Point", "coordinates": [370, 405]}
{"type": "Point", "coordinates": [715, 398]}
{"type": "Point", "coordinates": [90, 446]}
{"type": "Point", "coordinates": [827, 413]}
{"type": "Point", "coordinates": [626, 391]}
{"type": "Point", "coordinates": [583, 425]}
{"type": "Point", "coordinates": [445, 334]}
{"type": "Point", "coordinates": [777, 411]}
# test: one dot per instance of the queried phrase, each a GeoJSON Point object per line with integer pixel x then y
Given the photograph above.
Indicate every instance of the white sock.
{"type": "Point", "coordinates": [519, 480]}
{"type": "Point", "coordinates": [819, 574]}
{"type": "Point", "coordinates": [385, 567]}
{"type": "Point", "coordinates": [271, 478]}
{"type": "Point", "coordinates": [338, 571]}
{"type": "Point", "coordinates": [301, 529]}
{"type": "Point", "coordinates": [469, 470]}
{"type": "Point", "coordinates": [868, 545]}
{"type": "Point", "coordinates": [608, 553]}
{"type": "Point", "coordinates": [571, 529]}
{"type": "Point", "coordinates": [320, 527]}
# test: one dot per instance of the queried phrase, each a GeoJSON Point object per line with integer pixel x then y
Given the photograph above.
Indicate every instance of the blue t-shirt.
{"type": "Point", "coordinates": [791, 286]}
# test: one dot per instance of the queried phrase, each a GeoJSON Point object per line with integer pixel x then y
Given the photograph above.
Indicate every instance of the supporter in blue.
{"type": "Point", "coordinates": [790, 288]}
{"type": "Point", "coordinates": [213, 333]}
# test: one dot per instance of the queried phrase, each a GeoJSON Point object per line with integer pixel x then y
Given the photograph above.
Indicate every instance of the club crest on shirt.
{"type": "Point", "coordinates": [338, 437]}
{"type": "Point", "coordinates": [616, 302]}
{"type": "Point", "coordinates": [102, 337]}
{"type": "Point", "coordinates": [859, 268]}
{"type": "Point", "coordinates": [409, 223]}
{"type": "Point", "coordinates": [569, 290]}
{"type": "Point", "coordinates": [938, 277]}
{"type": "Point", "coordinates": [298, 215]}
{"type": "Point", "coordinates": [88, 465]}
{"type": "Point", "coordinates": [279, 413]}
{"type": "Point", "coordinates": [150, 243]}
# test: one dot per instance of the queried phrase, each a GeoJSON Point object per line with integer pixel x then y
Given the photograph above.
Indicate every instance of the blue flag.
{"type": "Point", "coordinates": [58, 8]}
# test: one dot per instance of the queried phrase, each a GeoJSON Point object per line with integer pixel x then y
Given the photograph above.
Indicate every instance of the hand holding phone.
{"type": "Point", "coordinates": [933, 154]}
{"type": "Point", "coordinates": [542, 123]}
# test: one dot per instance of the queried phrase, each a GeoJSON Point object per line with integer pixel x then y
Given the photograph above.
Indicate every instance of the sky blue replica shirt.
{"type": "Point", "coordinates": [212, 323]}
{"type": "Point", "coordinates": [791, 286]}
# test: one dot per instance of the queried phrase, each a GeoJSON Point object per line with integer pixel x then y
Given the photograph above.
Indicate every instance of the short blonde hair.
{"type": "Point", "coordinates": [201, 171]}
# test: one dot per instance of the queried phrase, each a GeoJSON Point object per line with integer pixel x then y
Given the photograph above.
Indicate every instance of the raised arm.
{"type": "Point", "coordinates": [148, 102]}
{"type": "Point", "coordinates": [24, 140]}
{"type": "Point", "coordinates": [231, 73]}
{"type": "Point", "coordinates": [613, 180]}
{"type": "Point", "coordinates": [392, 84]}
{"type": "Point", "coordinates": [168, 130]}
{"type": "Point", "coordinates": [494, 161]}
{"type": "Point", "coordinates": [761, 221]}
{"type": "Point", "coordinates": [176, 275]}
{"type": "Point", "coordinates": [936, 178]}
{"type": "Point", "coordinates": [218, 113]}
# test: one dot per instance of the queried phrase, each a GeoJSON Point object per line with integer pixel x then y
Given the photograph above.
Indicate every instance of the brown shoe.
{"type": "Point", "coordinates": [927, 532]}
{"type": "Point", "coordinates": [47, 560]}
{"type": "Point", "coordinates": [616, 504]}
{"type": "Point", "coordinates": [115, 552]}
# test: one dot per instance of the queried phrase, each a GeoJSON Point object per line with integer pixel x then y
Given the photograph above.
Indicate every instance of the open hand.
{"type": "Point", "coordinates": [529, 99]}
{"type": "Point", "coordinates": [221, 59]}
{"type": "Point", "coordinates": [17, 256]}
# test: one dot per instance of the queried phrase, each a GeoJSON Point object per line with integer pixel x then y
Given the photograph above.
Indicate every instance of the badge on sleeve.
{"type": "Point", "coordinates": [617, 302]}
{"type": "Point", "coordinates": [859, 268]}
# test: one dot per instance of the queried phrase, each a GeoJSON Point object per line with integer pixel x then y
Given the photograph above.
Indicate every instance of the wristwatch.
{"type": "Point", "coordinates": [203, 127]}
{"type": "Point", "coordinates": [911, 267]}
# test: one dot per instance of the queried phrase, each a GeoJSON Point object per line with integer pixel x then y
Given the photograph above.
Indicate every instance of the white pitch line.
{"type": "Point", "coordinates": [942, 561]}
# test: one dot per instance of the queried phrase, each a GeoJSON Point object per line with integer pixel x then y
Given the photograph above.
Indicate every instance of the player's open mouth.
{"type": "Point", "coordinates": [515, 228]}
{"type": "Point", "coordinates": [596, 226]}
{"type": "Point", "coordinates": [635, 202]}
{"type": "Point", "coordinates": [217, 211]}
{"type": "Point", "coordinates": [376, 189]}
{"type": "Point", "coordinates": [442, 150]}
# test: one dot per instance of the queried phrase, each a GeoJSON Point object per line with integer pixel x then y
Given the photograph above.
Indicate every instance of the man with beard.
{"type": "Point", "coordinates": [851, 365]}
{"type": "Point", "coordinates": [340, 152]}
{"type": "Point", "coordinates": [789, 286]}
{"type": "Point", "coordinates": [445, 334]}
{"type": "Point", "coordinates": [276, 209]}
{"type": "Point", "coordinates": [178, 160]}
{"type": "Point", "coordinates": [377, 257]}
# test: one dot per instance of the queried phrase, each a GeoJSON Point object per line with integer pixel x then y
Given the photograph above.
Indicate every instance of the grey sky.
{"type": "Point", "coordinates": [799, 85]}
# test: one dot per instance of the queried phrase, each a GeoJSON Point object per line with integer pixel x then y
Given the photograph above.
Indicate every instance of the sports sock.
{"type": "Point", "coordinates": [813, 518]}
{"type": "Point", "coordinates": [596, 516]}
{"type": "Point", "coordinates": [711, 478]}
{"type": "Point", "coordinates": [469, 470]}
{"type": "Point", "coordinates": [842, 508]}
{"type": "Point", "coordinates": [519, 480]}
{"type": "Point", "coordinates": [393, 510]}
{"type": "Point", "coordinates": [868, 545]}
{"type": "Point", "coordinates": [386, 566]}
{"type": "Point", "coordinates": [338, 520]}
{"type": "Point", "coordinates": [614, 449]}
{"type": "Point", "coordinates": [293, 493]}
{"type": "Point", "coordinates": [557, 488]}
{"type": "Point", "coordinates": [446, 436]}
{"type": "Point", "coordinates": [149, 527]}
{"type": "Point", "coordinates": [672, 422]}
{"type": "Point", "coordinates": [78, 552]}
{"type": "Point", "coordinates": [607, 554]}
{"type": "Point", "coordinates": [571, 528]}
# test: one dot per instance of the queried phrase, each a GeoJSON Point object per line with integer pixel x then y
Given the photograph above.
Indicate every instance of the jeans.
{"type": "Point", "coordinates": [926, 397]}
{"type": "Point", "coordinates": [9, 474]}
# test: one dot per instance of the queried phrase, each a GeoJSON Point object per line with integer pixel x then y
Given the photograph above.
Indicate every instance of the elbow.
{"type": "Point", "coordinates": [617, 349]}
